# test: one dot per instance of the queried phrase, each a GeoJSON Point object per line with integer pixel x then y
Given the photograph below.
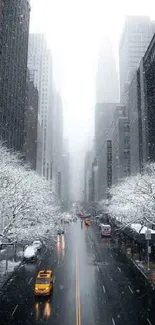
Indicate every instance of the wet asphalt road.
{"type": "Point", "coordinates": [92, 286]}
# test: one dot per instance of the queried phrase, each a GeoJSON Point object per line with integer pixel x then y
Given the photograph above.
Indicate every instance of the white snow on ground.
{"type": "Point", "coordinates": [139, 229]}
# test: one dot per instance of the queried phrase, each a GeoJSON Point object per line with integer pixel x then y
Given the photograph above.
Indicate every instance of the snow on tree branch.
{"type": "Point", "coordinates": [133, 200]}
{"type": "Point", "coordinates": [26, 201]}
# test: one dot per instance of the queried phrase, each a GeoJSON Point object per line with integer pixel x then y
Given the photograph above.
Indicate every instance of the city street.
{"type": "Point", "coordinates": [92, 286]}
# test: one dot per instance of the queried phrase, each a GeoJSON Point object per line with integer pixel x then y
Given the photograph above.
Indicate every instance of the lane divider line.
{"type": "Point", "coordinates": [14, 310]}
{"type": "Point", "coordinates": [113, 321]}
{"type": "Point", "coordinates": [130, 289]}
{"type": "Point", "coordinates": [149, 321]}
{"type": "Point", "coordinates": [103, 287]}
{"type": "Point", "coordinates": [119, 269]}
{"type": "Point", "coordinates": [30, 280]}
{"type": "Point", "coordinates": [78, 306]}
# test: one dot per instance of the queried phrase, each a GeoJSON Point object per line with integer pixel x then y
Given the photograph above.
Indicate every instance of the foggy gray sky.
{"type": "Point", "coordinates": [74, 31]}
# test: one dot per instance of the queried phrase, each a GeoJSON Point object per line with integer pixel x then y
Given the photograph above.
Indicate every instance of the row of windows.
{"type": "Point", "coordinates": [127, 140]}
{"type": "Point", "coordinates": [109, 157]}
{"type": "Point", "coordinates": [109, 150]}
{"type": "Point", "coordinates": [139, 28]}
{"type": "Point", "coordinates": [45, 95]}
{"type": "Point", "coordinates": [126, 155]}
{"type": "Point", "coordinates": [109, 172]}
{"type": "Point", "coordinates": [127, 162]}
{"type": "Point", "coordinates": [127, 173]}
{"type": "Point", "coordinates": [44, 102]}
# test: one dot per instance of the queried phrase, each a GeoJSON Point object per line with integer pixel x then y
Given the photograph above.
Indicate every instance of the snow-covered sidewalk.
{"type": "Point", "coordinates": [8, 266]}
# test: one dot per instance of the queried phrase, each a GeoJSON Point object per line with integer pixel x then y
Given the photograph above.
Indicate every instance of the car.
{"type": "Point", "coordinates": [60, 232]}
{"type": "Point", "coordinates": [105, 230]}
{"type": "Point", "coordinates": [44, 283]}
{"type": "Point", "coordinates": [87, 222]}
{"type": "Point", "coordinates": [37, 244]}
{"type": "Point", "coordinates": [30, 254]}
{"type": "Point", "coordinates": [66, 220]}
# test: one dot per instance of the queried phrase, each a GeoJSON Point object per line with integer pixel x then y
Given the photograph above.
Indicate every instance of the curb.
{"type": "Point", "coordinates": [10, 276]}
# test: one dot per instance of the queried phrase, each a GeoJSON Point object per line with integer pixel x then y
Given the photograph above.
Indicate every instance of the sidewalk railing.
{"type": "Point", "coordinates": [141, 264]}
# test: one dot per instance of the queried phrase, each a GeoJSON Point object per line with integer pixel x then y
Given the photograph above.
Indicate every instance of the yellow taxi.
{"type": "Point", "coordinates": [87, 222]}
{"type": "Point", "coordinates": [44, 283]}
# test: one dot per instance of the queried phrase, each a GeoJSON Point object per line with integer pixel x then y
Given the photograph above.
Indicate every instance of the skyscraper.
{"type": "Point", "coordinates": [104, 113]}
{"type": "Point", "coordinates": [119, 133]}
{"type": "Point", "coordinates": [40, 67]}
{"type": "Point", "coordinates": [1, 20]}
{"type": "Point", "coordinates": [88, 176]}
{"type": "Point", "coordinates": [106, 78]}
{"type": "Point", "coordinates": [65, 175]}
{"type": "Point", "coordinates": [57, 144]}
{"type": "Point", "coordinates": [135, 39]}
{"type": "Point", "coordinates": [14, 30]}
{"type": "Point", "coordinates": [31, 124]}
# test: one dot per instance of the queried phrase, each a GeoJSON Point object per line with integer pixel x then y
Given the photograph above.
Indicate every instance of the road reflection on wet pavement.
{"type": "Point", "coordinates": [91, 285]}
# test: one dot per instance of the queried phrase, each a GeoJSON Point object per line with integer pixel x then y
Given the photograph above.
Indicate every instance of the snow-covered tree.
{"type": "Point", "coordinates": [27, 206]}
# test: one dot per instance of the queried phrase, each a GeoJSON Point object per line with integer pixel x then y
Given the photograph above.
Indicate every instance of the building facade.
{"type": "Point", "coordinates": [40, 67]}
{"type": "Point", "coordinates": [148, 103]}
{"type": "Point", "coordinates": [94, 180]}
{"type": "Point", "coordinates": [57, 144]}
{"type": "Point", "coordinates": [88, 196]}
{"type": "Point", "coordinates": [65, 176]}
{"type": "Point", "coordinates": [134, 121]}
{"type": "Point", "coordinates": [1, 21]}
{"type": "Point", "coordinates": [120, 136]}
{"type": "Point", "coordinates": [141, 101]}
{"type": "Point", "coordinates": [107, 89]}
{"type": "Point", "coordinates": [136, 36]}
{"type": "Point", "coordinates": [14, 30]}
{"type": "Point", "coordinates": [109, 164]}
{"type": "Point", "coordinates": [103, 117]}
{"type": "Point", "coordinates": [31, 125]}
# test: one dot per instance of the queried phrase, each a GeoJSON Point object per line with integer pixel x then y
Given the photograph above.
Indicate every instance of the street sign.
{"type": "Point", "coordinates": [148, 234]}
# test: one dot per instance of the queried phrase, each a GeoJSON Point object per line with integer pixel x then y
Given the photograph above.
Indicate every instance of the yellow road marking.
{"type": "Point", "coordinates": [78, 306]}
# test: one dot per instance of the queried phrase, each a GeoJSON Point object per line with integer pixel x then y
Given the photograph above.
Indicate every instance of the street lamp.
{"type": "Point", "coordinates": [148, 238]}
